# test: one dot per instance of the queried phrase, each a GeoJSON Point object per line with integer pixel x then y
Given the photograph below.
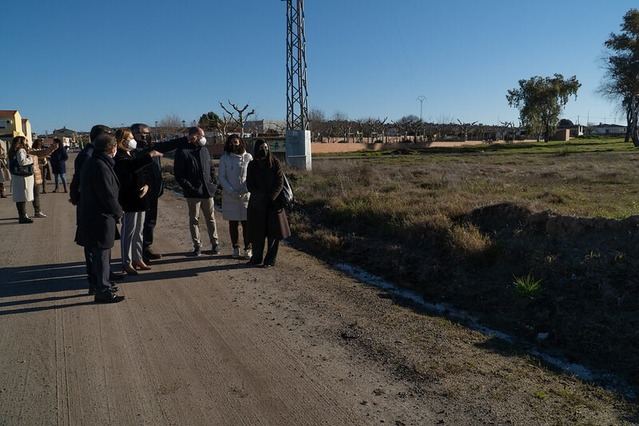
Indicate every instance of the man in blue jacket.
{"type": "Point", "coordinates": [194, 172]}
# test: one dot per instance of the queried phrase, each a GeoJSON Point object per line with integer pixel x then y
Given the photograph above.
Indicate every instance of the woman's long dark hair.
{"type": "Point", "coordinates": [19, 142]}
{"type": "Point", "coordinates": [269, 156]}
{"type": "Point", "coordinates": [228, 145]}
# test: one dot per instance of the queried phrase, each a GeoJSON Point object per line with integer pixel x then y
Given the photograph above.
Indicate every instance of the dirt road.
{"type": "Point", "coordinates": [210, 341]}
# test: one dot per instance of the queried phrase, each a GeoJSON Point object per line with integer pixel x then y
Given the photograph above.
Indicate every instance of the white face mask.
{"type": "Point", "coordinates": [131, 144]}
{"type": "Point", "coordinates": [202, 141]}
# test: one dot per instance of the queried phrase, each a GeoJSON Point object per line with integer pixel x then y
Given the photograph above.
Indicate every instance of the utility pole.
{"type": "Point", "coordinates": [421, 100]}
{"type": "Point", "coordinates": [298, 136]}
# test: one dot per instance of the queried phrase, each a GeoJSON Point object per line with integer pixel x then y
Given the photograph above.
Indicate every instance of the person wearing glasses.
{"type": "Point", "coordinates": [142, 134]}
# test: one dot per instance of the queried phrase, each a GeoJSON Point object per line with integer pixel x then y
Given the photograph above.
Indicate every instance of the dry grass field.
{"type": "Point", "coordinates": [535, 239]}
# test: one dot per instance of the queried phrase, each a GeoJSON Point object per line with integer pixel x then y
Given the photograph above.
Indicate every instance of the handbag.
{"type": "Point", "coordinates": [16, 169]}
{"type": "Point", "coordinates": [287, 191]}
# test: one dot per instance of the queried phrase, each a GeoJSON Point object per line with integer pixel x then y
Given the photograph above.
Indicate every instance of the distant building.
{"type": "Point", "coordinates": [67, 136]}
{"type": "Point", "coordinates": [608, 130]}
{"type": "Point", "coordinates": [10, 123]}
{"type": "Point", "coordinates": [575, 129]}
{"type": "Point", "coordinates": [263, 127]}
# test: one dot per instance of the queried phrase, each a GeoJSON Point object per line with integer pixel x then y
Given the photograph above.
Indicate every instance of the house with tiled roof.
{"type": "Point", "coordinates": [12, 124]}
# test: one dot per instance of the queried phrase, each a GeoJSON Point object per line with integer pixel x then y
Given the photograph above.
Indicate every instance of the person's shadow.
{"type": "Point", "coordinates": [40, 280]}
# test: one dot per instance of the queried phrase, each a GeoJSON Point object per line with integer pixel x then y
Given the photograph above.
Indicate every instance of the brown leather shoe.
{"type": "Point", "coordinates": [129, 269]}
{"type": "Point", "coordinates": [141, 266]}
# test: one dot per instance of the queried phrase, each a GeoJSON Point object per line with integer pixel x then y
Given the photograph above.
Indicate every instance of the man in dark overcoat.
{"type": "Point", "coordinates": [99, 211]}
{"type": "Point", "coordinates": [142, 134]}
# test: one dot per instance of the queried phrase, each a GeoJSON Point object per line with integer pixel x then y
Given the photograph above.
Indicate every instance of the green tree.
{"type": "Point", "coordinates": [540, 101]}
{"type": "Point", "coordinates": [209, 121]}
{"type": "Point", "coordinates": [621, 82]}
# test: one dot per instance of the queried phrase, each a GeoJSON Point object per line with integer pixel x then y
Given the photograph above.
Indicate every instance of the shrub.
{"type": "Point", "coordinates": [528, 286]}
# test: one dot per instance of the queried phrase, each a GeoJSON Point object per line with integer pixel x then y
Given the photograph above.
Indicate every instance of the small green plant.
{"type": "Point", "coordinates": [527, 286]}
{"type": "Point", "coordinates": [541, 395]}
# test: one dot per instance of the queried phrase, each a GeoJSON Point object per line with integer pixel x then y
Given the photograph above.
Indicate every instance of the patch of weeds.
{"type": "Point", "coordinates": [551, 197]}
{"type": "Point", "coordinates": [592, 255]}
{"type": "Point", "coordinates": [469, 239]}
{"type": "Point", "coordinates": [619, 257]}
{"type": "Point", "coordinates": [527, 286]}
{"type": "Point", "coordinates": [541, 395]}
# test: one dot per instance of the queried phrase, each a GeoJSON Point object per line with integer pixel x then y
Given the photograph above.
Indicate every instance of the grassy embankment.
{"type": "Point", "coordinates": [534, 238]}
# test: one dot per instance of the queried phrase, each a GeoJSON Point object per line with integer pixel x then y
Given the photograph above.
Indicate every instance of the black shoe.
{"type": "Point", "coordinates": [267, 265]}
{"type": "Point", "coordinates": [195, 253]}
{"type": "Point", "coordinates": [151, 255]}
{"type": "Point", "coordinates": [253, 262]}
{"type": "Point", "coordinates": [25, 219]}
{"type": "Point", "coordinates": [117, 276]}
{"type": "Point", "coordinates": [114, 289]}
{"type": "Point", "coordinates": [108, 297]}
{"type": "Point", "coordinates": [214, 251]}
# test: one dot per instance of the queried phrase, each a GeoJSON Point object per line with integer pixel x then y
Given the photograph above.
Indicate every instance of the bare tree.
{"type": "Point", "coordinates": [171, 121]}
{"type": "Point", "coordinates": [465, 127]}
{"type": "Point", "coordinates": [239, 116]}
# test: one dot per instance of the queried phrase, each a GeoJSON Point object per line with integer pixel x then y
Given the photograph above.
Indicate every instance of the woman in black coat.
{"type": "Point", "coordinates": [266, 215]}
{"type": "Point", "coordinates": [133, 197]}
{"type": "Point", "coordinates": [58, 164]}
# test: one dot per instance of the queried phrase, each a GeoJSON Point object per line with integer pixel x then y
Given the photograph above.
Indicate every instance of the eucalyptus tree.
{"type": "Point", "coordinates": [540, 101]}
{"type": "Point", "coordinates": [621, 82]}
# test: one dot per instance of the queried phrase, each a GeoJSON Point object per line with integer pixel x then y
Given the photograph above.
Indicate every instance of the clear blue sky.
{"type": "Point", "coordinates": [77, 62]}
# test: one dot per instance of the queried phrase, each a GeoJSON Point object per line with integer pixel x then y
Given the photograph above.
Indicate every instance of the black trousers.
{"type": "Point", "coordinates": [271, 251]}
{"type": "Point", "coordinates": [101, 268]}
{"type": "Point", "coordinates": [88, 260]}
{"type": "Point", "coordinates": [234, 230]}
{"type": "Point", "coordinates": [150, 220]}
{"type": "Point", "coordinates": [22, 209]}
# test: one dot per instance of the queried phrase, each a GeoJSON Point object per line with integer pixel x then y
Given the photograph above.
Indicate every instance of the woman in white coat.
{"type": "Point", "coordinates": [22, 181]}
{"type": "Point", "coordinates": [235, 195]}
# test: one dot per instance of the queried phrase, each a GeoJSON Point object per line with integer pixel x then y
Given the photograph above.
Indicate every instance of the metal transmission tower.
{"type": "Point", "coordinates": [298, 137]}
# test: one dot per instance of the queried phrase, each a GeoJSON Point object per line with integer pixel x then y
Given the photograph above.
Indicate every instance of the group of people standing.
{"type": "Point", "coordinates": [26, 168]}
{"type": "Point", "coordinates": [118, 179]}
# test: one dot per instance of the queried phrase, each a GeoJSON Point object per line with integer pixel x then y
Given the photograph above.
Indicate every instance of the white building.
{"type": "Point", "coordinates": [608, 130]}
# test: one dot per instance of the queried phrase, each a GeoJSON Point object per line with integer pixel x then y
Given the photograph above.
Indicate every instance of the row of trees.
{"type": "Point", "coordinates": [541, 100]}
{"type": "Point", "coordinates": [409, 127]}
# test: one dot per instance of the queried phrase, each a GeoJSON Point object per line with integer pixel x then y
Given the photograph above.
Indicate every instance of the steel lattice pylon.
{"type": "Point", "coordinates": [296, 102]}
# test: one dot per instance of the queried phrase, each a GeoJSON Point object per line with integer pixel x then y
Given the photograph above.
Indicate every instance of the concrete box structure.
{"type": "Point", "coordinates": [11, 123]}
{"type": "Point", "coordinates": [298, 149]}
{"type": "Point", "coordinates": [562, 135]}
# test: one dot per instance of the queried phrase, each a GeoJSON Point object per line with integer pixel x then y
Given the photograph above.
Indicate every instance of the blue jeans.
{"type": "Point", "coordinates": [63, 178]}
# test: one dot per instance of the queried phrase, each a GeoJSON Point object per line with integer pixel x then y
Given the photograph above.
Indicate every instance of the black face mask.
{"type": "Point", "coordinates": [262, 152]}
{"type": "Point", "coordinates": [238, 150]}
